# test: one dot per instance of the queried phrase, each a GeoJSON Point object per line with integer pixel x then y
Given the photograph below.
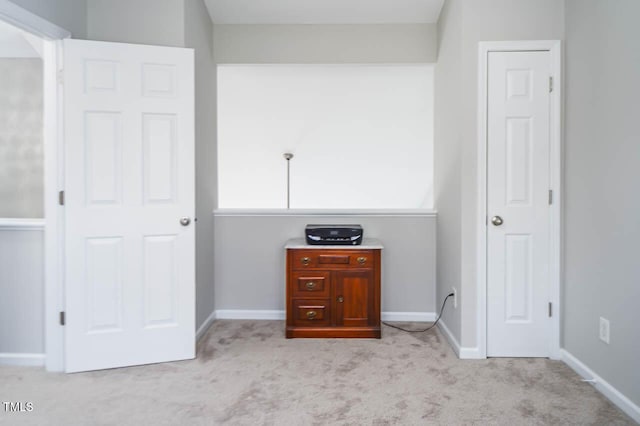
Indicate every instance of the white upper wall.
{"type": "Point", "coordinates": [15, 43]}
{"type": "Point", "coordinates": [370, 124]}
{"type": "Point", "coordinates": [324, 11]}
{"type": "Point", "coordinates": [21, 149]}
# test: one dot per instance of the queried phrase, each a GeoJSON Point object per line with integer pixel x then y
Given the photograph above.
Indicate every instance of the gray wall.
{"type": "Point", "coordinates": [302, 44]}
{"type": "Point", "coordinates": [21, 149]}
{"type": "Point", "coordinates": [478, 20]}
{"type": "Point", "coordinates": [21, 291]}
{"type": "Point", "coordinates": [250, 271]}
{"type": "Point", "coordinates": [199, 35]}
{"type": "Point", "coordinates": [447, 158]}
{"type": "Point", "coordinates": [160, 22]}
{"type": "Point", "coordinates": [68, 14]}
{"type": "Point", "coordinates": [602, 179]}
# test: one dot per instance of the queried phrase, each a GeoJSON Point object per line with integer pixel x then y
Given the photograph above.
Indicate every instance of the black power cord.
{"type": "Point", "coordinates": [426, 329]}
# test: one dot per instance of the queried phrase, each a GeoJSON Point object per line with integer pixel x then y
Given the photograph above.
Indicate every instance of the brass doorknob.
{"type": "Point", "coordinates": [340, 299]}
{"type": "Point", "coordinates": [497, 220]}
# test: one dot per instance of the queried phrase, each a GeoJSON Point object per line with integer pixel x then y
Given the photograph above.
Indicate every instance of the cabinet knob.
{"type": "Point", "coordinates": [311, 315]}
{"type": "Point", "coordinates": [310, 285]}
{"type": "Point", "coordinates": [340, 299]}
{"type": "Point", "coordinates": [305, 260]}
{"type": "Point", "coordinates": [362, 260]}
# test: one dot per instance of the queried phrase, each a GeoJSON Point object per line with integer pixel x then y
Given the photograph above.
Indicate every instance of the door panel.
{"type": "Point", "coordinates": [159, 138]}
{"type": "Point", "coordinates": [355, 298]}
{"type": "Point", "coordinates": [104, 267]}
{"type": "Point", "coordinates": [517, 188]}
{"type": "Point", "coordinates": [161, 281]}
{"type": "Point", "coordinates": [129, 173]}
{"type": "Point", "coordinates": [103, 158]}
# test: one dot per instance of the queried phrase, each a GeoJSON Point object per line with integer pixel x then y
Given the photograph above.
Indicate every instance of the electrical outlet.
{"type": "Point", "coordinates": [604, 330]}
{"type": "Point", "coordinates": [455, 297]}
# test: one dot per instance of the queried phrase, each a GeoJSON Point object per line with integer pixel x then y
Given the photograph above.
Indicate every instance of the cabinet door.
{"type": "Point", "coordinates": [354, 298]}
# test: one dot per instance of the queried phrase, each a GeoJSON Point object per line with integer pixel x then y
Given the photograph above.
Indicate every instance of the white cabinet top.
{"type": "Point", "coordinates": [367, 244]}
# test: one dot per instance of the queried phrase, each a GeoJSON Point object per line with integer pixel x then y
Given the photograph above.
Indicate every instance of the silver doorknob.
{"type": "Point", "coordinates": [496, 220]}
{"type": "Point", "coordinates": [185, 221]}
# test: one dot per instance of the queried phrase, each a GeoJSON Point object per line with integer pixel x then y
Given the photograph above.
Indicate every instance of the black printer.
{"type": "Point", "coordinates": [333, 234]}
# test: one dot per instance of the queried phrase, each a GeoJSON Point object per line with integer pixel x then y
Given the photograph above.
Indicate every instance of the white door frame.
{"type": "Point", "coordinates": [555, 179]}
{"type": "Point", "coordinates": [51, 35]}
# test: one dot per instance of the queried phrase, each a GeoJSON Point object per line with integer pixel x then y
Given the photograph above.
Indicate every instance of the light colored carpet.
{"type": "Point", "coordinates": [247, 373]}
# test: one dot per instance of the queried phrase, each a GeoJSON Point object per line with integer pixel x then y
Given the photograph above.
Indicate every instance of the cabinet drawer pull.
{"type": "Point", "coordinates": [305, 260]}
{"type": "Point", "coordinates": [362, 260]}
{"type": "Point", "coordinates": [311, 315]}
{"type": "Point", "coordinates": [340, 299]}
{"type": "Point", "coordinates": [310, 285]}
{"type": "Point", "coordinates": [335, 259]}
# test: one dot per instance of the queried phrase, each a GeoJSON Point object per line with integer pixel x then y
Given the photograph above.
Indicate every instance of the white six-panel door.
{"type": "Point", "coordinates": [518, 228]}
{"type": "Point", "coordinates": [129, 179]}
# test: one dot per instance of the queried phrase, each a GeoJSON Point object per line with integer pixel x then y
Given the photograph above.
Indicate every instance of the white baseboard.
{"type": "Point", "coordinates": [31, 360]}
{"type": "Point", "coordinates": [202, 330]}
{"type": "Point", "coordinates": [470, 353]}
{"type": "Point", "coordinates": [409, 316]}
{"type": "Point", "coordinates": [461, 351]}
{"type": "Point", "coordinates": [450, 337]}
{"type": "Point", "coordinates": [280, 315]}
{"type": "Point", "coordinates": [604, 387]}
{"type": "Point", "coordinates": [249, 314]}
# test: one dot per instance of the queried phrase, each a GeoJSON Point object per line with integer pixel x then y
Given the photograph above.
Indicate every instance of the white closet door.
{"type": "Point", "coordinates": [518, 322]}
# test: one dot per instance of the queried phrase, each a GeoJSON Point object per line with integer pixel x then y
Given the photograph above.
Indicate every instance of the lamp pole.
{"type": "Point", "coordinates": [288, 156]}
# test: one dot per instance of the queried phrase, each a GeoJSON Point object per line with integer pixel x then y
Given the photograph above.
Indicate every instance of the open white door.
{"type": "Point", "coordinates": [129, 204]}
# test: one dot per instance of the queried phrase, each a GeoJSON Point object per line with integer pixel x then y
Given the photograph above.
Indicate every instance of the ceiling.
{"type": "Point", "coordinates": [324, 11]}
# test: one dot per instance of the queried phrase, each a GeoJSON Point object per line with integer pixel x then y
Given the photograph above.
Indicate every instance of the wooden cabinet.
{"type": "Point", "coordinates": [333, 292]}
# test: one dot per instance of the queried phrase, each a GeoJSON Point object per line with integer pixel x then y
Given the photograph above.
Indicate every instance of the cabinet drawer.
{"type": "Point", "coordinates": [331, 259]}
{"type": "Point", "coordinates": [310, 284]}
{"type": "Point", "coordinates": [311, 312]}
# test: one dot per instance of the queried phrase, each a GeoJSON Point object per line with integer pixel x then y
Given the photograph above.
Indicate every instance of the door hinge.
{"type": "Point", "coordinates": [550, 84]}
{"type": "Point", "coordinates": [63, 320]}
{"type": "Point", "coordinates": [550, 196]}
{"type": "Point", "coordinates": [60, 76]}
{"type": "Point", "coordinates": [61, 198]}
{"type": "Point", "coordinates": [550, 309]}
